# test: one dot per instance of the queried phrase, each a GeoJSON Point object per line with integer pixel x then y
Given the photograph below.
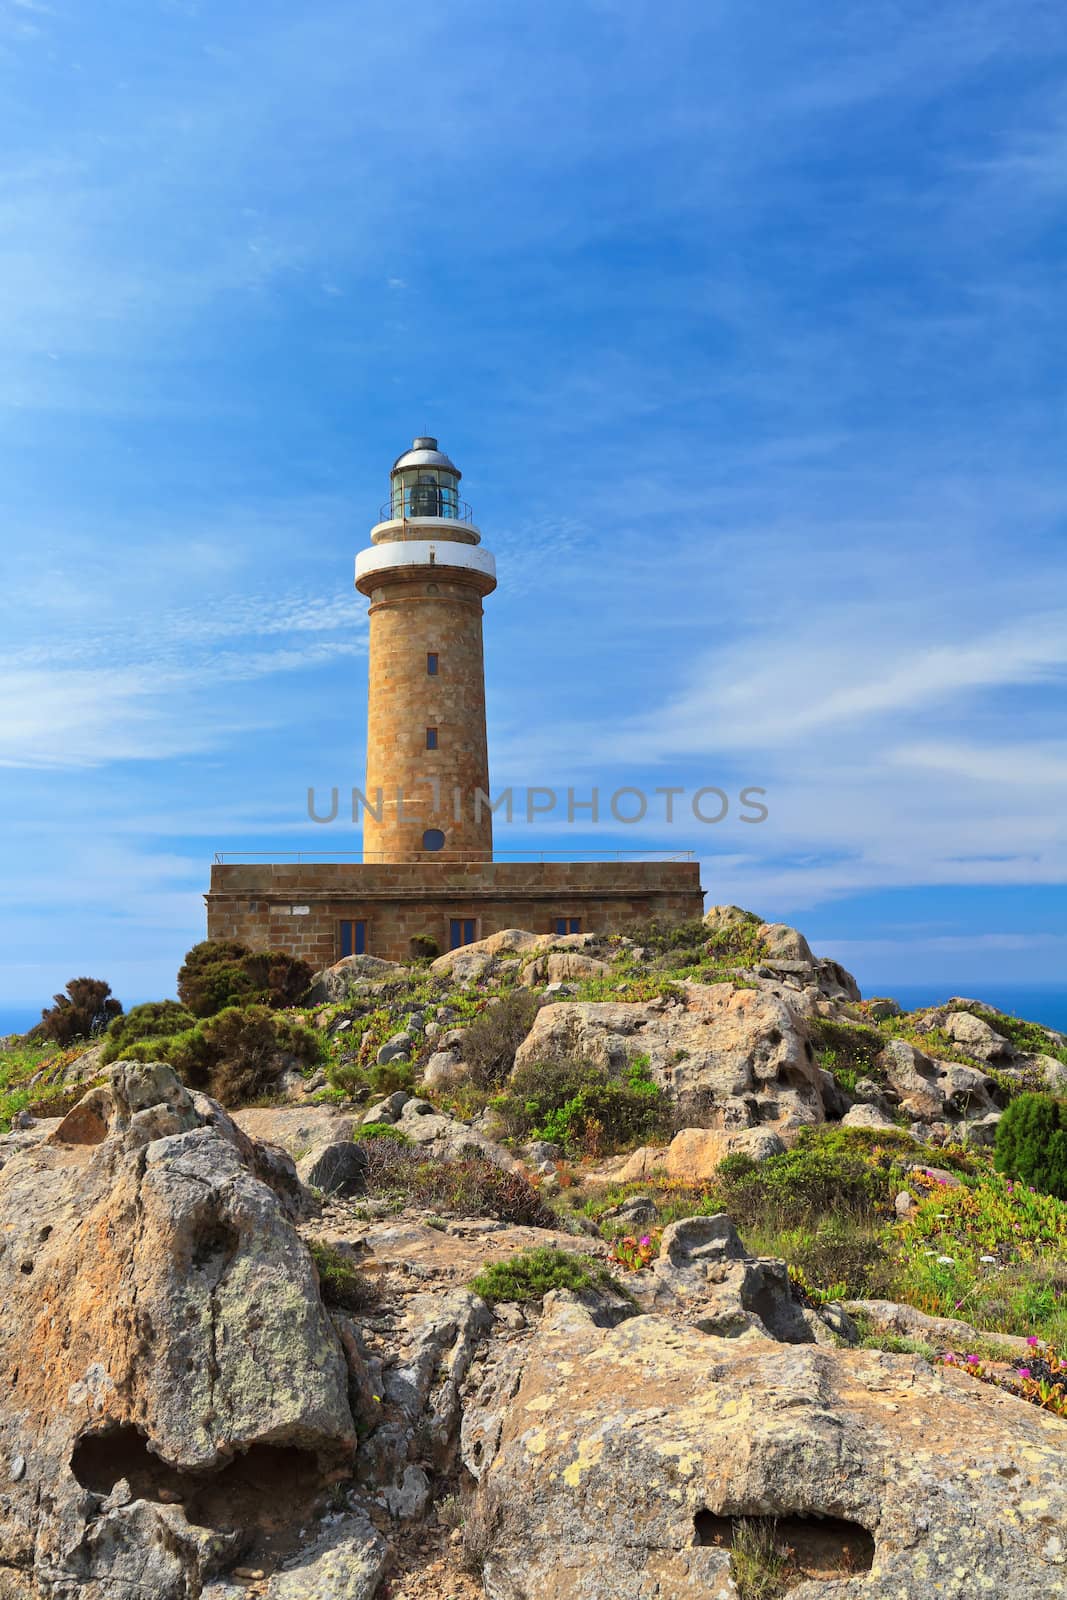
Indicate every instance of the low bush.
{"type": "Point", "coordinates": [219, 973]}
{"type": "Point", "coordinates": [159, 1019]}
{"type": "Point", "coordinates": [583, 1107]}
{"type": "Point", "coordinates": [534, 1273]}
{"type": "Point", "coordinates": [84, 1011]}
{"type": "Point", "coordinates": [341, 1283]}
{"type": "Point", "coordinates": [491, 1040]}
{"type": "Point", "coordinates": [1031, 1143]}
{"type": "Point", "coordinates": [382, 1130]}
{"type": "Point", "coordinates": [469, 1186]}
{"type": "Point", "coordinates": [423, 948]}
{"type": "Point", "coordinates": [236, 1056]}
{"type": "Point", "coordinates": [806, 1183]}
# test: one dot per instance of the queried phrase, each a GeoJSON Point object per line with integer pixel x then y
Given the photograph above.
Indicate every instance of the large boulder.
{"type": "Point", "coordinates": [167, 1358]}
{"type": "Point", "coordinates": [731, 1057]}
{"type": "Point", "coordinates": [695, 1154]}
{"type": "Point", "coordinates": [349, 976]}
{"type": "Point", "coordinates": [612, 1464]}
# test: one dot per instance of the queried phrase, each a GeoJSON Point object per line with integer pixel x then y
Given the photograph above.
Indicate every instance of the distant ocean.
{"type": "Point", "coordinates": [1045, 1005]}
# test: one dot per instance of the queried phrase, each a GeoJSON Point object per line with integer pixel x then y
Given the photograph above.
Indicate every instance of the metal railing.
{"type": "Point", "coordinates": [420, 500]}
{"type": "Point", "coordinates": [325, 857]}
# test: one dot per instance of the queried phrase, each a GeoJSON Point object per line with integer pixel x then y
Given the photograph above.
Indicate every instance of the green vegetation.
{"type": "Point", "coordinates": [237, 1055]}
{"type": "Point", "coordinates": [491, 1040]}
{"type": "Point", "coordinates": [989, 1252]}
{"type": "Point", "coordinates": [468, 1186]}
{"type": "Point", "coordinates": [759, 1566]}
{"type": "Point", "coordinates": [1031, 1143]}
{"type": "Point", "coordinates": [22, 1060]}
{"type": "Point", "coordinates": [584, 1107]}
{"type": "Point", "coordinates": [84, 1011]}
{"type": "Point", "coordinates": [341, 1283]}
{"type": "Point", "coordinates": [847, 1051]}
{"type": "Point", "coordinates": [219, 973]}
{"type": "Point", "coordinates": [159, 1019]}
{"type": "Point", "coordinates": [1028, 1037]}
{"type": "Point", "coordinates": [382, 1130]}
{"type": "Point", "coordinates": [534, 1273]}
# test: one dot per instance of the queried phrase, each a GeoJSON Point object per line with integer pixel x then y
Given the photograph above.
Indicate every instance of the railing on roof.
{"type": "Point", "coordinates": [422, 500]}
{"type": "Point", "coordinates": [326, 857]}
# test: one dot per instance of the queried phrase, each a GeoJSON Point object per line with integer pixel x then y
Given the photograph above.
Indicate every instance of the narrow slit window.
{"type": "Point", "coordinates": [431, 738]}
{"type": "Point", "coordinates": [431, 663]}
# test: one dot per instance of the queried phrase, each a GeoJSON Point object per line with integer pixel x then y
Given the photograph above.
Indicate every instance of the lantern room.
{"type": "Point", "coordinates": [425, 483]}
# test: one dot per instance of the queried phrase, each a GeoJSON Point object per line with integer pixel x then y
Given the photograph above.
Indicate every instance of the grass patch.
{"type": "Point", "coordinates": [847, 1051]}
{"type": "Point", "coordinates": [534, 1273]}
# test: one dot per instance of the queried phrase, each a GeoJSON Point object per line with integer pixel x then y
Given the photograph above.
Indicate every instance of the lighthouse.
{"type": "Point", "coordinates": [426, 574]}
{"type": "Point", "coordinates": [428, 879]}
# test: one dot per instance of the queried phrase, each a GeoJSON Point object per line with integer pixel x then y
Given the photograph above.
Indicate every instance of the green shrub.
{"type": "Point", "coordinates": [491, 1040]}
{"type": "Point", "coordinates": [341, 1283]}
{"type": "Point", "coordinates": [236, 1056]}
{"type": "Point", "coordinates": [86, 1009]}
{"type": "Point", "coordinates": [582, 1106]}
{"type": "Point", "coordinates": [1031, 1143]}
{"type": "Point", "coordinates": [382, 1130]}
{"type": "Point", "coordinates": [219, 973]}
{"type": "Point", "coordinates": [532, 1274]}
{"type": "Point", "coordinates": [808, 1182]}
{"type": "Point", "coordinates": [158, 1019]}
{"type": "Point", "coordinates": [423, 948]}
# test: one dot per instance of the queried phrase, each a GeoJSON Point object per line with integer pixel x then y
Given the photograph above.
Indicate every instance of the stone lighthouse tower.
{"type": "Point", "coordinates": [426, 575]}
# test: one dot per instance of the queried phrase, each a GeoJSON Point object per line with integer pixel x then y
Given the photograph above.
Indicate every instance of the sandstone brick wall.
{"type": "Point", "coordinates": [254, 903]}
{"type": "Point", "coordinates": [410, 617]}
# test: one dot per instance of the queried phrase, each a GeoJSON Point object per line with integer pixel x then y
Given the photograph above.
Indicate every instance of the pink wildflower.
{"type": "Point", "coordinates": [1033, 1341]}
{"type": "Point", "coordinates": [1024, 1372]}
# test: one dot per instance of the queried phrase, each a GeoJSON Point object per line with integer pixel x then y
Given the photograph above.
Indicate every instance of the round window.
{"type": "Point", "coordinates": [433, 839]}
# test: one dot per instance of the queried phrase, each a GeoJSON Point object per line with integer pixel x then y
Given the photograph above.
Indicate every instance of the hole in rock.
{"type": "Point", "coordinates": [262, 1491]}
{"type": "Point", "coordinates": [801, 1547]}
{"type": "Point", "coordinates": [215, 1246]}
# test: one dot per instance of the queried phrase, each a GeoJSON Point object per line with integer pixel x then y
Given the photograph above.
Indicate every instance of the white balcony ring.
{"type": "Point", "coordinates": [402, 553]}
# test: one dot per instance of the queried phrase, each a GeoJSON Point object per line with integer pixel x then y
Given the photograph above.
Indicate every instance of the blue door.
{"type": "Point", "coordinates": [460, 932]}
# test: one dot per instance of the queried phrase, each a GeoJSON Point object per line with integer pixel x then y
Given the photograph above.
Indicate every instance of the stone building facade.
{"type": "Point", "coordinates": [326, 910]}
{"type": "Point", "coordinates": [428, 870]}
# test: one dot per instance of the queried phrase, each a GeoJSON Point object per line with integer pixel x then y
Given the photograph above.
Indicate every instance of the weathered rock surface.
{"type": "Point", "coordinates": [705, 1275]}
{"type": "Point", "coordinates": [733, 1057]}
{"type": "Point", "coordinates": [609, 1459]}
{"type": "Point", "coordinates": [696, 1153]}
{"type": "Point", "coordinates": [165, 1349]}
{"type": "Point", "coordinates": [347, 977]}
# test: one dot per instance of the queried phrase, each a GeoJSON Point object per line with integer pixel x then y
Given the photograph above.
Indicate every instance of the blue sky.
{"type": "Point", "coordinates": [746, 325]}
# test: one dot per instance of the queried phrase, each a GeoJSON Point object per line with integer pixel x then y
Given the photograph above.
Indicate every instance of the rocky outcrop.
{"type": "Point", "coordinates": [166, 1354]}
{"type": "Point", "coordinates": [613, 1463]}
{"type": "Point", "coordinates": [733, 1058]}
{"type": "Point", "coordinates": [348, 977]}
{"type": "Point", "coordinates": [704, 1275]}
